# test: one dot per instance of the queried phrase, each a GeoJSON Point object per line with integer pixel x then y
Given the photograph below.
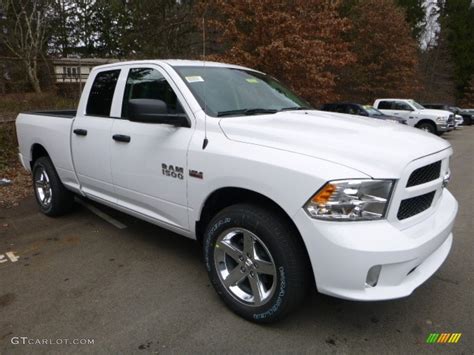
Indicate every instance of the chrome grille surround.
{"type": "Point", "coordinates": [402, 192]}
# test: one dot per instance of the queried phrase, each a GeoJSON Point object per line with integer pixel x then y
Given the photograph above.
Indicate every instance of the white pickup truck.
{"type": "Point", "coordinates": [433, 121]}
{"type": "Point", "coordinates": [280, 196]}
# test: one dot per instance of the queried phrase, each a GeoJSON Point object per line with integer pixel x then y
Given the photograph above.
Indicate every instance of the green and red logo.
{"type": "Point", "coordinates": [443, 338]}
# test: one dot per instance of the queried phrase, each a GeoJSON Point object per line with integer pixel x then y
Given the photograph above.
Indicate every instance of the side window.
{"type": "Point", "coordinates": [352, 110]}
{"type": "Point", "coordinates": [102, 93]}
{"type": "Point", "coordinates": [385, 105]}
{"type": "Point", "coordinates": [330, 107]}
{"type": "Point", "coordinates": [401, 106]}
{"type": "Point", "coordinates": [340, 108]}
{"type": "Point", "coordinates": [146, 83]}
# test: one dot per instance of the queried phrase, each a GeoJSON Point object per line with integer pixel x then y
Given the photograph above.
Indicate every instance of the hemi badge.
{"type": "Point", "coordinates": [196, 174]}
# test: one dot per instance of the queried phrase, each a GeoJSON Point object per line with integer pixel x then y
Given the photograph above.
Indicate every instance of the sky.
{"type": "Point", "coordinates": [432, 24]}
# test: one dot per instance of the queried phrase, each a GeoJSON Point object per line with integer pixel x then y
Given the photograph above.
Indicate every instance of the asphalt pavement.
{"type": "Point", "coordinates": [132, 287]}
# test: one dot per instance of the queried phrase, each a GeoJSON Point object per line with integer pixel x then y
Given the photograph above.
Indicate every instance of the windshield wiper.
{"type": "Point", "coordinates": [246, 111]}
{"type": "Point", "coordinates": [296, 108]}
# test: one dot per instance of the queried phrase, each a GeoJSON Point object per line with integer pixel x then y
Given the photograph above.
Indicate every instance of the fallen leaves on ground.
{"type": "Point", "coordinates": [20, 187]}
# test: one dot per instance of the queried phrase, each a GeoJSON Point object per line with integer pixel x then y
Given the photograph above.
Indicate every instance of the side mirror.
{"type": "Point", "coordinates": [154, 111]}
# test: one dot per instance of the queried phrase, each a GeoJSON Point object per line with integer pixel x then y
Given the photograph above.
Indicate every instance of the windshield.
{"type": "Point", "coordinates": [230, 91]}
{"type": "Point", "coordinates": [372, 111]}
{"type": "Point", "coordinates": [416, 104]}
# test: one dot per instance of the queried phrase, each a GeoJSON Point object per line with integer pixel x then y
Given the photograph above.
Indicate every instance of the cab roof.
{"type": "Point", "coordinates": [175, 63]}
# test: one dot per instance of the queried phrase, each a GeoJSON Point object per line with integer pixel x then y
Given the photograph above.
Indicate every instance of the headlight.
{"type": "Point", "coordinates": [441, 119]}
{"type": "Point", "coordinates": [351, 200]}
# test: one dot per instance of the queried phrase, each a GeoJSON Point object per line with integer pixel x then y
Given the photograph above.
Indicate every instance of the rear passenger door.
{"type": "Point", "coordinates": [386, 107]}
{"type": "Point", "coordinates": [91, 136]}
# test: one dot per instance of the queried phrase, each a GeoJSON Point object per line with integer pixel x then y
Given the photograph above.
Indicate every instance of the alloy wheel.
{"type": "Point", "coordinates": [43, 188]}
{"type": "Point", "coordinates": [245, 266]}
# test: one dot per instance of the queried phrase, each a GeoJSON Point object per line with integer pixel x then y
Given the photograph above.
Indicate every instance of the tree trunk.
{"type": "Point", "coordinates": [33, 77]}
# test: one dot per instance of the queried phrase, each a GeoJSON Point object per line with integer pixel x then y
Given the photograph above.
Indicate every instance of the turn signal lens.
{"type": "Point", "coordinates": [324, 194]}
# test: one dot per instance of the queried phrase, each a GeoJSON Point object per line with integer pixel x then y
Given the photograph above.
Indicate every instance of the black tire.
{"type": "Point", "coordinates": [467, 121]}
{"type": "Point", "coordinates": [428, 127]}
{"type": "Point", "coordinates": [60, 200]}
{"type": "Point", "coordinates": [289, 257]}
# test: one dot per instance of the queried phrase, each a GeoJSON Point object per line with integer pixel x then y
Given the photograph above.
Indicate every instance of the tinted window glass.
{"type": "Point", "coordinates": [340, 108]}
{"type": "Point", "coordinates": [385, 105]}
{"type": "Point", "coordinates": [102, 93]}
{"type": "Point", "coordinates": [353, 110]}
{"type": "Point", "coordinates": [146, 83]}
{"type": "Point", "coordinates": [401, 106]}
{"type": "Point", "coordinates": [328, 107]}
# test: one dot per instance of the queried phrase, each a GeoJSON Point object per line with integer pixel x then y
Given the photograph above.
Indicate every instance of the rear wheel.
{"type": "Point", "coordinates": [52, 197]}
{"type": "Point", "coordinates": [427, 127]}
{"type": "Point", "coordinates": [255, 262]}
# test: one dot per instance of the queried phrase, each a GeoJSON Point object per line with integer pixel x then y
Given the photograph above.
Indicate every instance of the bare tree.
{"type": "Point", "coordinates": [23, 33]}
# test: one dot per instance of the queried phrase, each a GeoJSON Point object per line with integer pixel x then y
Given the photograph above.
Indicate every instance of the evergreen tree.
{"type": "Point", "coordinates": [458, 21]}
{"type": "Point", "coordinates": [415, 14]}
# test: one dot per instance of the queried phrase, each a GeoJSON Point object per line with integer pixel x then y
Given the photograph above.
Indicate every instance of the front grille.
{"type": "Point", "coordinates": [425, 174]}
{"type": "Point", "coordinates": [451, 120]}
{"type": "Point", "coordinates": [412, 206]}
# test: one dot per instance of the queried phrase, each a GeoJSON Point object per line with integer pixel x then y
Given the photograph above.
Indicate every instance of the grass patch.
{"type": "Point", "coordinates": [12, 104]}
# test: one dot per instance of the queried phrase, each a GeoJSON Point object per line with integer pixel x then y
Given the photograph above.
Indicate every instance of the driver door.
{"type": "Point", "coordinates": [149, 165]}
{"type": "Point", "coordinates": [402, 109]}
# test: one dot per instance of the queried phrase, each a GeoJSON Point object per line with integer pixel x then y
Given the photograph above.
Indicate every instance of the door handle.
{"type": "Point", "coordinates": [80, 132]}
{"type": "Point", "coordinates": [121, 138]}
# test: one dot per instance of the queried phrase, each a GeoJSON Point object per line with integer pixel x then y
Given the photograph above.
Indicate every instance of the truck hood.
{"type": "Point", "coordinates": [435, 113]}
{"type": "Point", "coordinates": [378, 148]}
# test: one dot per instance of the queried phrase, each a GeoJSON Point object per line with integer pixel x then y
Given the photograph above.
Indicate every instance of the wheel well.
{"type": "Point", "coordinates": [228, 196]}
{"type": "Point", "coordinates": [427, 121]}
{"type": "Point", "coordinates": [37, 151]}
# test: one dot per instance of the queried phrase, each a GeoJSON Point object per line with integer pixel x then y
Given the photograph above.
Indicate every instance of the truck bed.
{"type": "Point", "coordinates": [51, 131]}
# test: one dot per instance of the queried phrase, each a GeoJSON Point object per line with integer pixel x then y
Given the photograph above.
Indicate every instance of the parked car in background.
{"type": "Point", "coordinates": [279, 196]}
{"type": "Point", "coordinates": [459, 121]}
{"type": "Point", "coordinates": [360, 110]}
{"type": "Point", "coordinates": [467, 116]}
{"type": "Point", "coordinates": [433, 121]}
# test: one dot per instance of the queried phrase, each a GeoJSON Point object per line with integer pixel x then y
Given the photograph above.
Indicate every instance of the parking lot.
{"type": "Point", "coordinates": [130, 286]}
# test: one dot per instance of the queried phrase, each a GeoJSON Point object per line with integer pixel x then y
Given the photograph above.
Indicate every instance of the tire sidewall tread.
{"type": "Point", "coordinates": [62, 199]}
{"type": "Point", "coordinates": [286, 251]}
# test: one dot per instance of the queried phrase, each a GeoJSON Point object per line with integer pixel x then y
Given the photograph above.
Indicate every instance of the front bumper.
{"type": "Point", "coordinates": [443, 127]}
{"type": "Point", "coordinates": [342, 253]}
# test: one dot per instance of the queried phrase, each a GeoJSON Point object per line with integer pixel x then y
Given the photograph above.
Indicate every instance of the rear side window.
{"type": "Point", "coordinates": [147, 83]}
{"type": "Point", "coordinates": [385, 105]}
{"type": "Point", "coordinates": [328, 107]}
{"type": "Point", "coordinates": [353, 110]}
{"type": "Point", "coordinates": [102, 93]}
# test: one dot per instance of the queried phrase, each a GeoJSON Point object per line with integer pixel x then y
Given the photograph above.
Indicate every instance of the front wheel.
{"type": "Point", "coordinates": [427, 127]}
{"type": "Point", "coordinates": [255, 262]}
